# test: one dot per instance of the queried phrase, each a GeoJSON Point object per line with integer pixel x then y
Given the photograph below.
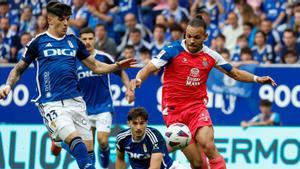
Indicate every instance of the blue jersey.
{"type": "Point", "coordinates": [273, 8]}
{"type": "Point", "coordinates": [213, 31]}
{"type": "Point", "coordinates": [262, 55]}
{"type": "Point", "coordinates": [95, 88]}
{"type": "Point", "coordinates": [139, 152]}
{"type": "Point", "coordinates": [213, 12]}
{"type": "Point", "coordinates": [55, 63]}
{"type": "Point", "coordinates": [262, 117]}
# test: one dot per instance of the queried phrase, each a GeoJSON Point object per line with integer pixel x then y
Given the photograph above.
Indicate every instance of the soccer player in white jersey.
{"type": "Point", "coordinates": [59, 100]}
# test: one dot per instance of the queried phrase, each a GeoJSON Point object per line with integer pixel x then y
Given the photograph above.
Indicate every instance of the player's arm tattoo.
{"type": "Point", "coordinates": [16, 73]}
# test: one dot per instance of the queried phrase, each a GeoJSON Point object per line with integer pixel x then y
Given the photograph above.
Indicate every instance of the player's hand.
{"type": "Point", "coordinates": [129, 96]}
{"type": "Point", "coordinates": [4, 91]}
{"type": "Point", "coordinates": [266, 80]}
{"type": "Point", "coordinates": [127, 63]}
{"type": "Point", "coordinates": [244, 124]}
{"type": "Point", "coordinates": [134, 83]}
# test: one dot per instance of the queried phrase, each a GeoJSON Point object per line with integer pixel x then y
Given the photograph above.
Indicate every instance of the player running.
{"type": "Point", "coordinates": [145, 146]}
{"type": "Point", "coordinates": [97, 95]}
{"type": "Point", "coordinates": [59, 100]}
{"type": "Point", "coordinates": [187, 65]}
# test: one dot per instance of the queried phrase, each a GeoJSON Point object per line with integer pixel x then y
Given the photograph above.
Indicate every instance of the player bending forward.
{"type": "Point", "coordinates": [184, 96]}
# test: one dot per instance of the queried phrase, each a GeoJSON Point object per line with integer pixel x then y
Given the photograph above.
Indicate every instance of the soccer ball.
{"type": "Point", "coordinates": [178, 136]}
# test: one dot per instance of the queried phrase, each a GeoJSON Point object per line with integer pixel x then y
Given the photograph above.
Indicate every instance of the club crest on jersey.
{"type": "Point", "coordinates": [145, 148]}
{"type": "Point", "coordinates": [204, 62]}
{"type": "Point", "coordinates": [70, 44]}
{"type": "Point", "coordinates": [194, 72]}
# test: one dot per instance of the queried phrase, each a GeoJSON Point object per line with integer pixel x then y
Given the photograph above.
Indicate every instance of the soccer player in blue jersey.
{"type": "Point", "coordinates": [59, 100]}
{"type": "Point", "coordinates": [145, 146]}
{"type": "Point", "coordinates": [97, 95]}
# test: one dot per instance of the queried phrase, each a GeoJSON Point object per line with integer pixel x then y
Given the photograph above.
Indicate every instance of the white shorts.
{"type": "Point", "coordinates": [177, 165]}
{"type": "Point", "coordinates": [66, 116]}
{"type": "Point", "coordinates": [102, 121]}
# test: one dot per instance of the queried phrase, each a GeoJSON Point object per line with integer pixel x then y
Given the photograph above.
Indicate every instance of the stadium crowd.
{"type": "Point", "coordinates": [243, 31]}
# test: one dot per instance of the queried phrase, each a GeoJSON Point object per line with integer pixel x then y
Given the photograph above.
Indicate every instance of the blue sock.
{"type": "Point", "coordinates": [79, 152]}
{"type": "Point", "coordinates": [103, 155]}
{"type": "Point", "coordinates": [92, 157]}
{"type": "Point", "coordinates": [66, 147]}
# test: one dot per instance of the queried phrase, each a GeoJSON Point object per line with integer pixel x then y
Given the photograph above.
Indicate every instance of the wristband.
{"type": "Point", "coordinates": [118, 65]}
{"type": "Point", "coordinates": [255, 78]}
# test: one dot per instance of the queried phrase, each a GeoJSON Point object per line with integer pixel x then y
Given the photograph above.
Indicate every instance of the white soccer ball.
{"type": "Point", "coordinates": [178, 136]}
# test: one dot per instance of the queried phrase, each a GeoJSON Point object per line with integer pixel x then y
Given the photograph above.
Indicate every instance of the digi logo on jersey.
{"type": "Point", "coordinates": [55, 52]}
{"type": "Point", "coordinates": [85, 74]}
{"type": "Point", "coordinates": [138, 156]}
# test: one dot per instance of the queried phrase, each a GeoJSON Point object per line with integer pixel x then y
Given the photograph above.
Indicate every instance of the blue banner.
{"type": "Point", "coordinates": [218, 82]}
{"type": "Point", "coordinates": [225, 109]}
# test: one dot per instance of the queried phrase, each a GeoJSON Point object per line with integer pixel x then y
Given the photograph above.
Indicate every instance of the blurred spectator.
{"type": "Point", "coordinates": [262, 52]}
{"type": "Point", "coordinates": [225, 54]}
{"type": "Point", "coordinates": [161, 19]}
{"type": "Point", "coordinates": [103, 42]}
{"type": "Point", "coordinates": [4, 51]}
{"type": "Point", "coordinates": [159, 40]}
{"type": "Point", "coordinates": [27, 21]}
{"type": "Point", "coordinates": [232, 31]}
{"type": "Point", "coordinates": [241, 43]}
{"type": "Point", "coordinates": [38, 6]}
{"type": "Point", "coordinates": [5, 12]}
{"type": "Point", "coordinates": [265, 118]}
{"type": "Point", "coordinates": [148, 15]}
{"type": "Point", "coordinates": [212, 30]}
{"type": "Point", "coordinates": [175, 13]}
{"type": "Point", "coordinates": [25, 38]}
{"type": "Point", "coordinates": [249, 16]}
{"type": "Point", "coordinates": [128, 6]}
{"type": "Point", "coordinates": [121, 9]}
{"type": "Point", "coordinates": [249, 31]}
{"type": "Point", "coordinates": [273, 37]}
{"type": "Point", "coordinates": [14, 6]}
{"type": "Point", "coordinates": [135, 39]}
{"type": "Point", "coordinates": [145, 56]}
{"type": "Point", "coordinates": [289, 43]}
{"type": "Point", "coordinates": [131, 23]}
{"type": "Point", "coordinates": [246, 57]}
{"type": "Point", "coordinates": [297, 25]}
{"type": "Point", "coordinates": [41, 25]}
{"type": "Point", "coordinates": [183, 23]}
{"type": "Point", "coordinates": [9, 38]}
{"type": "Point", "coordinates": [79, 17]}
{"type": "Point", "coordinates": [290, 57]}
{"type": "Point", "coordinates": [219, 43]}
{"type": "Point", "coordinates": [128, 52]}
{"type": "Point", "coordinates": [215, 10]}
{"type": "Point", "coordinates": [256, 6]}
{"type": "Point", "coordinates": [176, 32]}
{"type": "Point", "coordinates": [101, 15]}
{"type": "Point", "coordinates": [274, 10]}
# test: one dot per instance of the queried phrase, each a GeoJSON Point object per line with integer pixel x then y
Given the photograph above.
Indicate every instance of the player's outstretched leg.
{"type": "Point", "coordinates": [104, 150]}
{"type": "Point", "coordinates": [79, 151]}
{"type": "Point", "coordinates": [205, 138]}
{"type": "Point", "coordinates": [195, 160]}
